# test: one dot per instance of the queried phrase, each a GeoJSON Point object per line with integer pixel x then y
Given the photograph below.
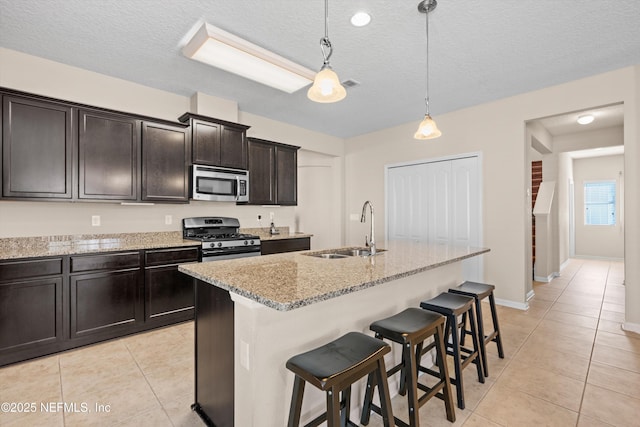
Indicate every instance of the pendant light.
{"type": "Point", "coordinates": [427, 128]}
{"type": "Point", "coordinates": [326, 85]}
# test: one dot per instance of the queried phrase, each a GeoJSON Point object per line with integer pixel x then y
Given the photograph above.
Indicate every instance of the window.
{"type": "Point", "coordinates": [600, 203]}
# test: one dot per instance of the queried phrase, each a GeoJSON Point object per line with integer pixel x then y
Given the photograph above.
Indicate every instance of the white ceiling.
{"type": "Point", "coordinates": [479, 50]}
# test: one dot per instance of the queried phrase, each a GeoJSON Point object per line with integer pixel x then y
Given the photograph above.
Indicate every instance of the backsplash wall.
{"type": "Point", "coordinates": [27, 219]}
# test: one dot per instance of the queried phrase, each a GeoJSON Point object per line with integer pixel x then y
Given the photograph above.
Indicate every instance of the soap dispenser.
{"type": "Point", "coordinates": [273, 230]}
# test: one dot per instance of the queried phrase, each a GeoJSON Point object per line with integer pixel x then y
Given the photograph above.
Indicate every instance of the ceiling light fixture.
{"type": "Point", "coordinates": [585, 119]}
{"type": "Point", "coordinates": [223, 50]}
{"type": "Point", "coordinates": [326, 86]}
{"type": "Point", "coordinates": [427, 128]}
{"type": "Point", "coordinates": [360, 19]}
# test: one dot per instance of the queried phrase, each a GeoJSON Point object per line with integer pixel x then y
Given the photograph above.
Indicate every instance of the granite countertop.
{"type": "Point", "coordinates": [28, 247]}
{"type": "Point", "coordinates": [292, 280]}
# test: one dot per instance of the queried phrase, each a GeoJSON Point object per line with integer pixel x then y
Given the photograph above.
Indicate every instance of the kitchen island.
{"type": "Point", "coordinates": [253, 314]}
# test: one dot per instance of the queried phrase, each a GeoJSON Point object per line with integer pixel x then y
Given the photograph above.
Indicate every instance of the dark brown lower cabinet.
{"type": "Point", "coordinates": [31, 308]}
{"type": "Point", "coordinates": [53, 304]}
{"type": "Point", "coordinates": [169, 294]}
{"type": "Point", "coordinates": [106, 304]}
{"type": "Point", "coordinates": [285, 245]}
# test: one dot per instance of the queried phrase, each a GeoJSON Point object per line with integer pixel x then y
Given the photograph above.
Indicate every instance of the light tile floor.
{"type": "Point", "coordinates": [568, 363]}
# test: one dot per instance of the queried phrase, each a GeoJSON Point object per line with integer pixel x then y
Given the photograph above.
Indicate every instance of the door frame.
{"type": "Point", "coordinates": [477, 154]}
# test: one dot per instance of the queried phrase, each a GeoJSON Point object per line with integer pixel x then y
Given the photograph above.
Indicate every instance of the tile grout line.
{"type": "Point", "coordinates": [149, 384]}
{"type": "Point", "coordinates": [593, 345]}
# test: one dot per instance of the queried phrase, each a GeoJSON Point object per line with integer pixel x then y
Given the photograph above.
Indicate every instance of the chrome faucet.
{"type": "Point", "coordinates": [371, 240]}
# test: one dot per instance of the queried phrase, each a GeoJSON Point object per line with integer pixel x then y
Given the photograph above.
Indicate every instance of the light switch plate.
{"type": "Point", "coordinates": [354, 217]}
{"type": "Point", "coordinates": [95, 220]}
{"type": "Point", "coordinates": [168, 219]}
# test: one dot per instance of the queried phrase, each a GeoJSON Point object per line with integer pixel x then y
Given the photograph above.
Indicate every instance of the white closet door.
{"type": "Point", "coordinates": [438, 199]}
{"type": "Point", "coordinates": [437, 202]}
{"type": "Point", "coordinates": [466, 217]}
{"type": "Point", "coordinates": [407, 204]}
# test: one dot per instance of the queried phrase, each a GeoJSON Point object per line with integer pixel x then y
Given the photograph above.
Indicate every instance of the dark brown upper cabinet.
{"type": "Point", "coordinates": [217, 142]}
{"type": "Point", "coordinates": [165, 163]}
{"type": "Point", "coordinates": [108, 153]}
{"type": "Point", "coordinates": [273, 173]}
{"type": "Point", "coordinates": [37, 148]}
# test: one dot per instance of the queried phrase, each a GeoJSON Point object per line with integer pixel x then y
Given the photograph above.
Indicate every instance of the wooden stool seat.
{"type": "Point", "coordinates": [333, 368]}
{"type": "Point", "coordinates": [411, 328]}
{"type": "Point", "coordinates": [480, 291]}
{"type": "Point", "coordinates": [451, 306]}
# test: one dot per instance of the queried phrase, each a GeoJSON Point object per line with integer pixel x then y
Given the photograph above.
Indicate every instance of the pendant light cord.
{"type": "Point", "coordinates": [324, 42]}
{"type": "Point", "coordinates": [426, 96]}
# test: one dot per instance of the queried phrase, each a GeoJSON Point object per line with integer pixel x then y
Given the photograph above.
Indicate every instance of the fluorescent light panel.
{"type": "Point", "coordinates": [223, 50]}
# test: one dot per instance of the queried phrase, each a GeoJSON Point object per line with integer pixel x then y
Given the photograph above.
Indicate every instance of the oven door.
{"type": "Point", "coordinates": [213, 255]}
{"type": "Point", "coordinates": [220, 184]}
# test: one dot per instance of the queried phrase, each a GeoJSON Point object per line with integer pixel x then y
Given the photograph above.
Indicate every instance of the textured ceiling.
{"type": "Point", "coordinates": [479, 50]}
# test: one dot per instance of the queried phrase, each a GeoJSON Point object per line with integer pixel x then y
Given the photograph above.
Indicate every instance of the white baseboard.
{"type": "Point", "coordinates": [530, 295]}
{"type": "Point", "coordinates": [631, 327]}
{"type": "Point", "coordinates": [546, 279]}
{"type": "Point", "coordinates": [513, 304]}
{"type": "Point", "coordinates": [599, 258]}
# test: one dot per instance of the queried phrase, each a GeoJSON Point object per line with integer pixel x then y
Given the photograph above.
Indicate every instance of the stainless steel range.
{"type": "Point", "coordinates": [220, 238]}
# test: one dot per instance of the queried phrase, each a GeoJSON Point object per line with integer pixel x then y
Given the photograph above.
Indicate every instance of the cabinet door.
{"type": "Point", "coordinates": [169, 294]}
{"type": "Point", "coordinates": [108, 156]}
{"type": "Point", "coordinates": [233, 148]}
{"type": "Point", "coordinates": [30, 315]}
{"type": "Point", "coordinates": [37, 149]}
{"type": "Point", "coordinates": [165, 163]}
{"type": "Point", "coordinates": [106, 303]}
{"type": "Point", "coordinates": [206, 142]}
{"type": "Point", "coordinates": [262, 173]}
{"type": "Point", "coordinates": [287, 175]}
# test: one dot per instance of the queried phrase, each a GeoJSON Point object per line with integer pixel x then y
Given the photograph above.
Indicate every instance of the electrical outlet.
{"type": "Point", "coordinates": [354, 217]}
{"type": "Point", "coordinates": [168, 219]}
{"type": "Point", "coordinates": [95, 220]}
{"type": "Point", "coordinates": [271, 216]}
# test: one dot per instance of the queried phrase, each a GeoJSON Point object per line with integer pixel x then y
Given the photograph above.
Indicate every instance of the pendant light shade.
{"type": "Point", "coordinates": [427, 129]}
{"type": "Point", "coordinates": [326, 85]}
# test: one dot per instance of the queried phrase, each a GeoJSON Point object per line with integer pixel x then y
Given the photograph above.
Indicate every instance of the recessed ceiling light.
{"type": "Point", "coordinates": [585, 119]}
{"type": "Point", "coordinates": [360, 19]}
{"type": "Point", "coordinates": [231, 53]}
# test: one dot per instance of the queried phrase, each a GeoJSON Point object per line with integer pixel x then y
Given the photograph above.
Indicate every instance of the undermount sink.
{"type": "Point", "coordinates": [344, 253]}
{"type": "Point", "coordinates": [329, 256]}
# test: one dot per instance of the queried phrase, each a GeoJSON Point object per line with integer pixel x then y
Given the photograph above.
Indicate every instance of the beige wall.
{"type": "Point", "coordinates": [36, 75]}
{"type": "Point", "coordinates": [497, 130]}
{"type": "Point", "coordinates": [605, 241]}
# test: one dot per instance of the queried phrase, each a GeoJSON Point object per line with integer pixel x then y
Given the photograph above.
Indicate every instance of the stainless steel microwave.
{"type": "Point", "coordinates": [212, 183]}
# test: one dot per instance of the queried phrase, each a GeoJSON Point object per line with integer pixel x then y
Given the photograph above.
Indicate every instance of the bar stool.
{"type": "Point", "coordinates": [411, 328]}
{"type": "Point", "coordinates": [480, 291]}
{"type": "Point", "coordinates": [451, 306]}
{"type": "Point", "coordinates": [333, 368]}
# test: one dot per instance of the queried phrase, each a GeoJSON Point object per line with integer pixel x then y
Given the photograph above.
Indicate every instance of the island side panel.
{"type": "Point", "coordinates": [214, 344]}
{"type": "Point", "coordinates": [269, 337]}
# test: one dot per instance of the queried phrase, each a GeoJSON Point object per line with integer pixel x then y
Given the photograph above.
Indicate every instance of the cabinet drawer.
{"type": "Point", "coordinates": [24, 269]}
{"type": "Point", "coordinates": [105, 262]}
{"type": "Point", "coordinates": [170, 256]}
{"type": "Point", "coordinates": [285, 245]}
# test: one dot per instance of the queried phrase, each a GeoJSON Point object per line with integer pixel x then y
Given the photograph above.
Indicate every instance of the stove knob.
{"type": "Point", "coordinates": [246, 243]}
{"type": "Point", "coordinates": [251, 242]}
{"type": "Point", "coordinates": [219, 244]}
